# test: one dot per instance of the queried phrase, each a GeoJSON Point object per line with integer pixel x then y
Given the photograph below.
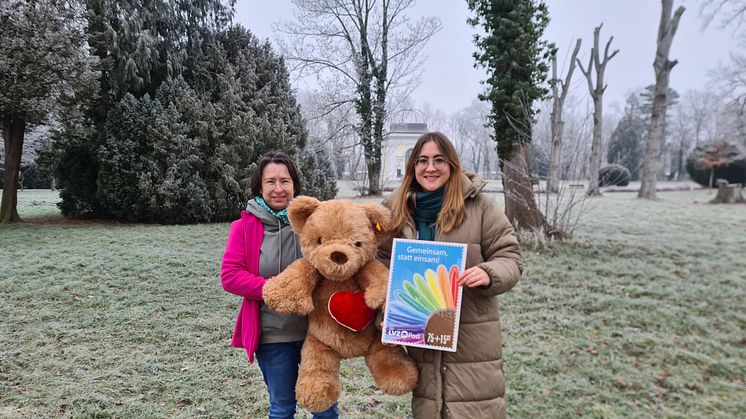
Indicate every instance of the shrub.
{"type": "Point", "coordinates": [77, 172]}
{"type": "Point", "coordinates": [72, 160]}
{"type": "Point", "coordinates": [714, 161]}
{"type": "Point", "coordinates": [614, 175]}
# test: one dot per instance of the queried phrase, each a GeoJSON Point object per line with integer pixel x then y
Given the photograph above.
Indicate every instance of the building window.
{"type": "Point", "coordinates": [398, 173]}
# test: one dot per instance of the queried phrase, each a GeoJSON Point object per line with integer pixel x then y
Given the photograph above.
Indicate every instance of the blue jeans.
{"type": "Point", "coordinates": [279, 364]}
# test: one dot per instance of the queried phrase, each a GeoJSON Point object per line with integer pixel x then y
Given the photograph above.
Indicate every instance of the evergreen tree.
{"type": "Point", "coordinates": [164, 181]}
{"type": "Point", "coordinates": [646, 106]}
{"type": "Point", "coordinates": [626, 144]}
{"type": "Point", "coordinates": [44, 66]}
{"type": "Point", "coordinates": [516, 59]}
{"type": "Point", "coordinates": [317, 173]}
{"type": "Point", "coordinates": [256, 111]}
{"type": "Point", "coordinates": [181, 120]}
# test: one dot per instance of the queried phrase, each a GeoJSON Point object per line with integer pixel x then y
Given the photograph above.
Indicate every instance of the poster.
{"type": "Point", "coordinates": [423, 299]}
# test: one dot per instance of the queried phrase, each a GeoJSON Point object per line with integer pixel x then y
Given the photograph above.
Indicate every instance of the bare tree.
{"type": "Point", "coordinates": [434, 118]}
{"type": "Point", "coordinates": [597, 93]}
{"type": "Point", "coordinates": [471, 134]}
{"type": "Point", "coordinates": [700, 108]}
{"type": "Point", "coordinates": [565, 209]}
{"type": "Point", "coordinates": [559, 94]}
{"type": "Point", "coordinates": [731, 12]}
{"type": "Point", "coordinates": [662, 66]}
{"type": "Point", "coordinates": [731, 77]}
{"type": "Point", "coordinates": [330, 126]}
{"type": "Point", "coordinates": [370, 46]}
{"type": "Point", "coordinates": [701, 117]}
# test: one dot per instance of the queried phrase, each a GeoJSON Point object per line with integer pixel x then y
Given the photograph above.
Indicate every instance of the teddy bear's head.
{"type": "Point", "coordinates": [338, 237]}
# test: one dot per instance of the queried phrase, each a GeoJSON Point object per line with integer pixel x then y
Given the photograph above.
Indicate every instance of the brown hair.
{"type": "Point", "coordinates": [452, 211]}
{"type": "Point", "coordinates": [277, 157]}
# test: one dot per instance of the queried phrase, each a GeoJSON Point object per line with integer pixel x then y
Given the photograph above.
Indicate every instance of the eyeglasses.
{"type": "Point", "coordinates": [284, 183]}
{"type": "Point", "coordinates": [438, 162]}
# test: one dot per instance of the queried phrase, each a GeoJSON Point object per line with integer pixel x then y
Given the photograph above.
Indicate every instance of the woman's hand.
{"type": "Point", "coordinates": [474, 277]}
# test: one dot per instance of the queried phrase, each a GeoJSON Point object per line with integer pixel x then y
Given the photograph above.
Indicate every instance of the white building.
{"type": "Point", "coordinates": [396, 148]}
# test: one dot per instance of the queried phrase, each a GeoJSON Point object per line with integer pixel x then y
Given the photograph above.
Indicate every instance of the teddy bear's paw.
{"type": "Point", "coordinates": [301, 306]}
{"type": "Point", "coordinates": [304, 306]}
{"type": "Point", "coordinates": [402, 382]}
{"type": "Point", "coordinates": [283, 304]}
{"type": "Point", "coordinates": [271, 296]}
{"type": "Point", "coordinates": [317, 395]}
{"type": "Point", "coordinates": [393, 371]}
{"type": "Point", "coordinates": [374, 298]}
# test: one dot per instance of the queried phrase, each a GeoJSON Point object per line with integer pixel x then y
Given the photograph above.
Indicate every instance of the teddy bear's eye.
{"type": "Point", "coordinates": [358, 244]}
{"type": "Point", "coordinates": [320, 240]}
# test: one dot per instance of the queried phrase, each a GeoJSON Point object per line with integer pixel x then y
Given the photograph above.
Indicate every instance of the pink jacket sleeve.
{"type": "Point", "coordinates": [235, 273]}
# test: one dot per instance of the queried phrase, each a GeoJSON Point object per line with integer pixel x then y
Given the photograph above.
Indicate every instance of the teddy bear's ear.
{"type": "Point", "coordinates": [380, 219]}
{"type": "Point", "coordinates": [300, 209]}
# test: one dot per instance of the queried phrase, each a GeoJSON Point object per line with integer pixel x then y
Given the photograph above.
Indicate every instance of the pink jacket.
{"type": "Point", "coordinates": [239, 275]}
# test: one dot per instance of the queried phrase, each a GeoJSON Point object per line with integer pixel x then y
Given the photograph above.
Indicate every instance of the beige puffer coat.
{"type": "Point", "coordinates": [469, 383]}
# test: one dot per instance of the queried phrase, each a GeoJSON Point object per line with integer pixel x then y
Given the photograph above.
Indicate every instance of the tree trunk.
{"type": "Point", "coordinates": [559, 94]}
{"type": "Point", "coordinates": [520, 206]}
{"type": "Point", "coordinates": [680, 165]}
{"type": "Point", "coordinates": [553, 176]}
{"type": "Point", "coordinates": [53, 184]}
{"type": "Point", "coordinates": [595, 158]}
{"type": "Point", "coordinates": [662, 66]}
{"type": "Point", "coordinates": [380, 76]}
{"type": "Point", "coordinates": [14, 126]}
{"type": "Point", "coordinates": [364, 107]}
{"type": "Point", "coordinates": [555, 147]}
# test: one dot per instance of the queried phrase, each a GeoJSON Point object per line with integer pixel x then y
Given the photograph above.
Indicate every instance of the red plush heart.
{"type": "Point", "coordinates": [349, 309]}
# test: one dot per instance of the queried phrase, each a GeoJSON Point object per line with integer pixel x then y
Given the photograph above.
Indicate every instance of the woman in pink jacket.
{"type": "Point", "coordinates": [260, 245]}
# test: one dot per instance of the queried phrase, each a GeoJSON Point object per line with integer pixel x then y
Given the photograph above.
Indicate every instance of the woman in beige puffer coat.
{"type": "Point", "coordinates": [437, 201]}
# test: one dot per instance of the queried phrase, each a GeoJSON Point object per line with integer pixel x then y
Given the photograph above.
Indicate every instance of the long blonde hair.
{"type": "Point", "coordinates": [451, 213]}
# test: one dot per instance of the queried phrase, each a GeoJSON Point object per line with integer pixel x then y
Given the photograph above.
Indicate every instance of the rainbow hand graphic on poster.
{"type": "Point", "coordinates": [424, 299]}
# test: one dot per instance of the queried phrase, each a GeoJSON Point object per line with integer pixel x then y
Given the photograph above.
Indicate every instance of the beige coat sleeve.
{"type": "Point", "coordinates": [500, 249]}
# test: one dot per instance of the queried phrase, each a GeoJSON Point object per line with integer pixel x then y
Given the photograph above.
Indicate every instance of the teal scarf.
{"type": "Point", "coordinates": [426, 207]}
{"type": "Point", "coordinates": [281, 215]}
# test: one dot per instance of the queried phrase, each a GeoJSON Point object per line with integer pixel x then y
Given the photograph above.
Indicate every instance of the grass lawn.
{"type": "Point", "coordinates": [642, 314]}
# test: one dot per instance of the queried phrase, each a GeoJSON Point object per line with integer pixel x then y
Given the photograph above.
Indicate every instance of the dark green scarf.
{"type": "Point", "coordinates": [426, 207]}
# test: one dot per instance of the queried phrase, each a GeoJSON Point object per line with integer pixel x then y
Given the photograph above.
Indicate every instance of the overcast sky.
{"type": "Point", "coordinates": [450, 81]}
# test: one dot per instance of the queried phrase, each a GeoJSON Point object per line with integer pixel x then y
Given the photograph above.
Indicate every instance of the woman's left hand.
{"type": "Point", "coordinates": [474, 277]}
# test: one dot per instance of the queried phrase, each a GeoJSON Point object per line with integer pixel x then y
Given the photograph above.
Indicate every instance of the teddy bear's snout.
{"type": "Point", "coordinates": [338, 257]}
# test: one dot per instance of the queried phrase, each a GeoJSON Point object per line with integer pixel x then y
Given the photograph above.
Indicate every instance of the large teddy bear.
{"type": "Point", "coordinates": [339, 284]}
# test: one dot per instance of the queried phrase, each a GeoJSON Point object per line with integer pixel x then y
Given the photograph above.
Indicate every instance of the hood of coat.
{"type": "Point", "coordinates": [473, 184]}
{"type": "Point", "coordinates": [278, 240]}
{"type": "Point", "coordinates": [271, 223]}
